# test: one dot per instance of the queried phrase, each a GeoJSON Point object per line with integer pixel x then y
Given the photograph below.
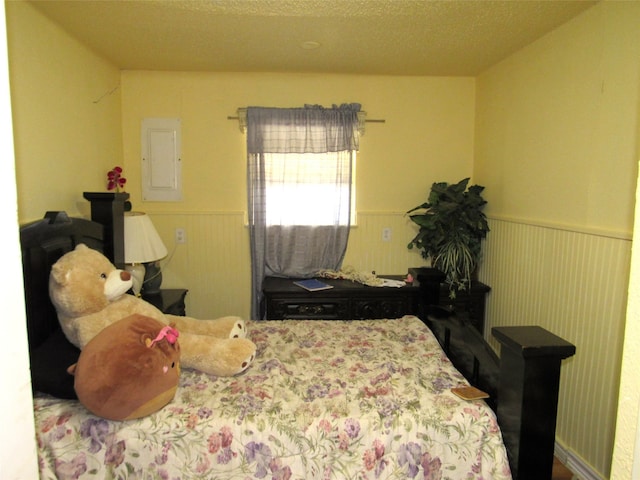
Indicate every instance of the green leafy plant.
{"type": "Point", "coordinates": [451, 229]}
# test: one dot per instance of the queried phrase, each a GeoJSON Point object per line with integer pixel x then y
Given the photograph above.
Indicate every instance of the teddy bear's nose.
{"type": "Point", "coordinates": [125, 276]}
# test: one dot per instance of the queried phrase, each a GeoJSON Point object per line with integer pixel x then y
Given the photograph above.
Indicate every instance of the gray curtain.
{"type": "Point", "coordinates": [297, 250]}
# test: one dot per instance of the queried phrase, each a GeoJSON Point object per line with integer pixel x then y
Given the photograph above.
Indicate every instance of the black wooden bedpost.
{"type": "Point", "coordinates": [429, 280]}
{"type": "Point", "coordinates": [108, 209]}
{"type": "Point", "coordinates": [530, 363]}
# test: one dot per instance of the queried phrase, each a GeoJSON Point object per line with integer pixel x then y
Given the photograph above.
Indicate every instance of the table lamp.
{"type": "Point", "coordinates": [143, 248]}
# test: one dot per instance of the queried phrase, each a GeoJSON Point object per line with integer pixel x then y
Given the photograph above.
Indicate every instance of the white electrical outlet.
{"type": "Point", "coordinates": [181, 235]}
{"type": "Point", "coordinates": [386, 234]}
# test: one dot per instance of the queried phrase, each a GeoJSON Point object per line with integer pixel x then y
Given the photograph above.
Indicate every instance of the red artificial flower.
{"type": "Point", "coordinates": [115, 180]}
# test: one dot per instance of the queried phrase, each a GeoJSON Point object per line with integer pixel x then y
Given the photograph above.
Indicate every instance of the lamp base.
{"type": "Point", "coordinates": [152, 279]}
{"type": "Point", "coordinates": [138, 274]}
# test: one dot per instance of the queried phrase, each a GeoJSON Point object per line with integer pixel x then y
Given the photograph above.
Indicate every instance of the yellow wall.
{"type": "Point", "coordinates": [557, 148]}
{"type": "Point", "coordinates": [66, 115]}
{"type": "Point", "coordinates": [76, 116]}
{"type": "Point", "coordinates": [556, 123]}
{"type": "Point", "coordinates": [427, 136]}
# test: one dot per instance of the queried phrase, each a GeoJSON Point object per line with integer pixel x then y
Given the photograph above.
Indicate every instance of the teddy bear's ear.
{"type": "Point", "coordinates": [81, 246]}
{"type": "Point", "coordinates": [60, 274]}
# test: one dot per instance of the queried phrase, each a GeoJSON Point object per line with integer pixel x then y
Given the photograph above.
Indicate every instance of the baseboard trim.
{"type": "Point", "coordinates": [579, 468]}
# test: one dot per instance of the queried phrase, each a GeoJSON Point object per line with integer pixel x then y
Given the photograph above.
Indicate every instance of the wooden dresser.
{"type": "Point", "coordinates": [347, 300]}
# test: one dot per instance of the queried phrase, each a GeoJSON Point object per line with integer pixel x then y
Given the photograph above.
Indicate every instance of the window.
{"type": "Point", "coordinates": [300, 170]}
{"type": "Point", "coordinates": [310, 188]}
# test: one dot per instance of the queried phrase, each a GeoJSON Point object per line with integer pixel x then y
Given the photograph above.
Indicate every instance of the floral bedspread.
{"type": "Point", "coordinates": [323, 400]}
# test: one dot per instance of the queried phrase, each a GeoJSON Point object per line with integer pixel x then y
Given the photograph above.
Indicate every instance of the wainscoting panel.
{"type": "Point", "coordinates": [575, 285]}
{"type": "Point", "coordinates": [367, 251]}
{"type": "Point", "coordinates": [214, 264]}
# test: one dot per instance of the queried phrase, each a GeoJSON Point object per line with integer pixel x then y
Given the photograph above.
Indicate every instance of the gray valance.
{"type": "Point", "coordinates": [317, 129]}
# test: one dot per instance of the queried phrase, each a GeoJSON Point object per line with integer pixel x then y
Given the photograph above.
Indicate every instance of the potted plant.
{"type": "Point", "coordinates": [452, 226]}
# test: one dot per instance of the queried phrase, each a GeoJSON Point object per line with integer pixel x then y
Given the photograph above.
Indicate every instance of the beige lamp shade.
{"type": "Point", "coordinates": [142, 244]}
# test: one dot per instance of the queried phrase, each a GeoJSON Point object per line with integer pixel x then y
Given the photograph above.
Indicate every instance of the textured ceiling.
{"type": "Point", "coordinates": [400, 37]}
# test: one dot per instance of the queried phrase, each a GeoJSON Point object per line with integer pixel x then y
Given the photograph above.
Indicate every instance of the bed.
{"type": "Point", "coordinates": [323, 399]}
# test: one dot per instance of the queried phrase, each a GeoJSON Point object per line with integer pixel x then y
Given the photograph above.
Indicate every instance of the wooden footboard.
{"type": "Point", "coordinates": [466, 349]}
{"type": "Point", "coordinates": [522, 383]}
{"type": "Point", "coordinates": [530, 362]}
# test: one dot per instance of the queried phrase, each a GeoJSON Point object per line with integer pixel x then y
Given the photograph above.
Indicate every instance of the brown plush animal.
{"type": "Point", "coordinates": [89, 294]}
{"type": "Point", "coordinates": [129, 370]}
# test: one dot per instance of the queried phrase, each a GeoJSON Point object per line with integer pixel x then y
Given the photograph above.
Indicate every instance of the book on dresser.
{"type": "Point", "coordinates": [312, 285]}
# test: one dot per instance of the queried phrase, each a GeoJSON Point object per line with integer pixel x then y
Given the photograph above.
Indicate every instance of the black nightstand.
{"type": "Point", "coordinates": [471, 301]}
{"type": "Point", "coordinates": [169, 300]}
{"type": "Point", "coordinates": [434, 291]}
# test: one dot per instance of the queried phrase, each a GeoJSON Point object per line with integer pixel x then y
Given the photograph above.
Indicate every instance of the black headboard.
{"type": "Point", "coordinates": [43, 243]}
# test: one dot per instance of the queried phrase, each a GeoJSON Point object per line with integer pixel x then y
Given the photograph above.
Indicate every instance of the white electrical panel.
{"type": "Point", "coordinates": [161, 163]}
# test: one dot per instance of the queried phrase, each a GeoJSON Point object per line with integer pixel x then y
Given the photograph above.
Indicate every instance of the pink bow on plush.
{"type": "Point", "coordinates": [168, 332]}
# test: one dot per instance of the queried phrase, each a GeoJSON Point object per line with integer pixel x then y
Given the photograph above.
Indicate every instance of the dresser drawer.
{"type": "Point", "coordinates": [381, 307]}
{"type": "Point", "coordinates": [301, 308]}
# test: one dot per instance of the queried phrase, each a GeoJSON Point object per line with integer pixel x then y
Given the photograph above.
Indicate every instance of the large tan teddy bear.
{"type": "Point", "coordinates": [89, 294]}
